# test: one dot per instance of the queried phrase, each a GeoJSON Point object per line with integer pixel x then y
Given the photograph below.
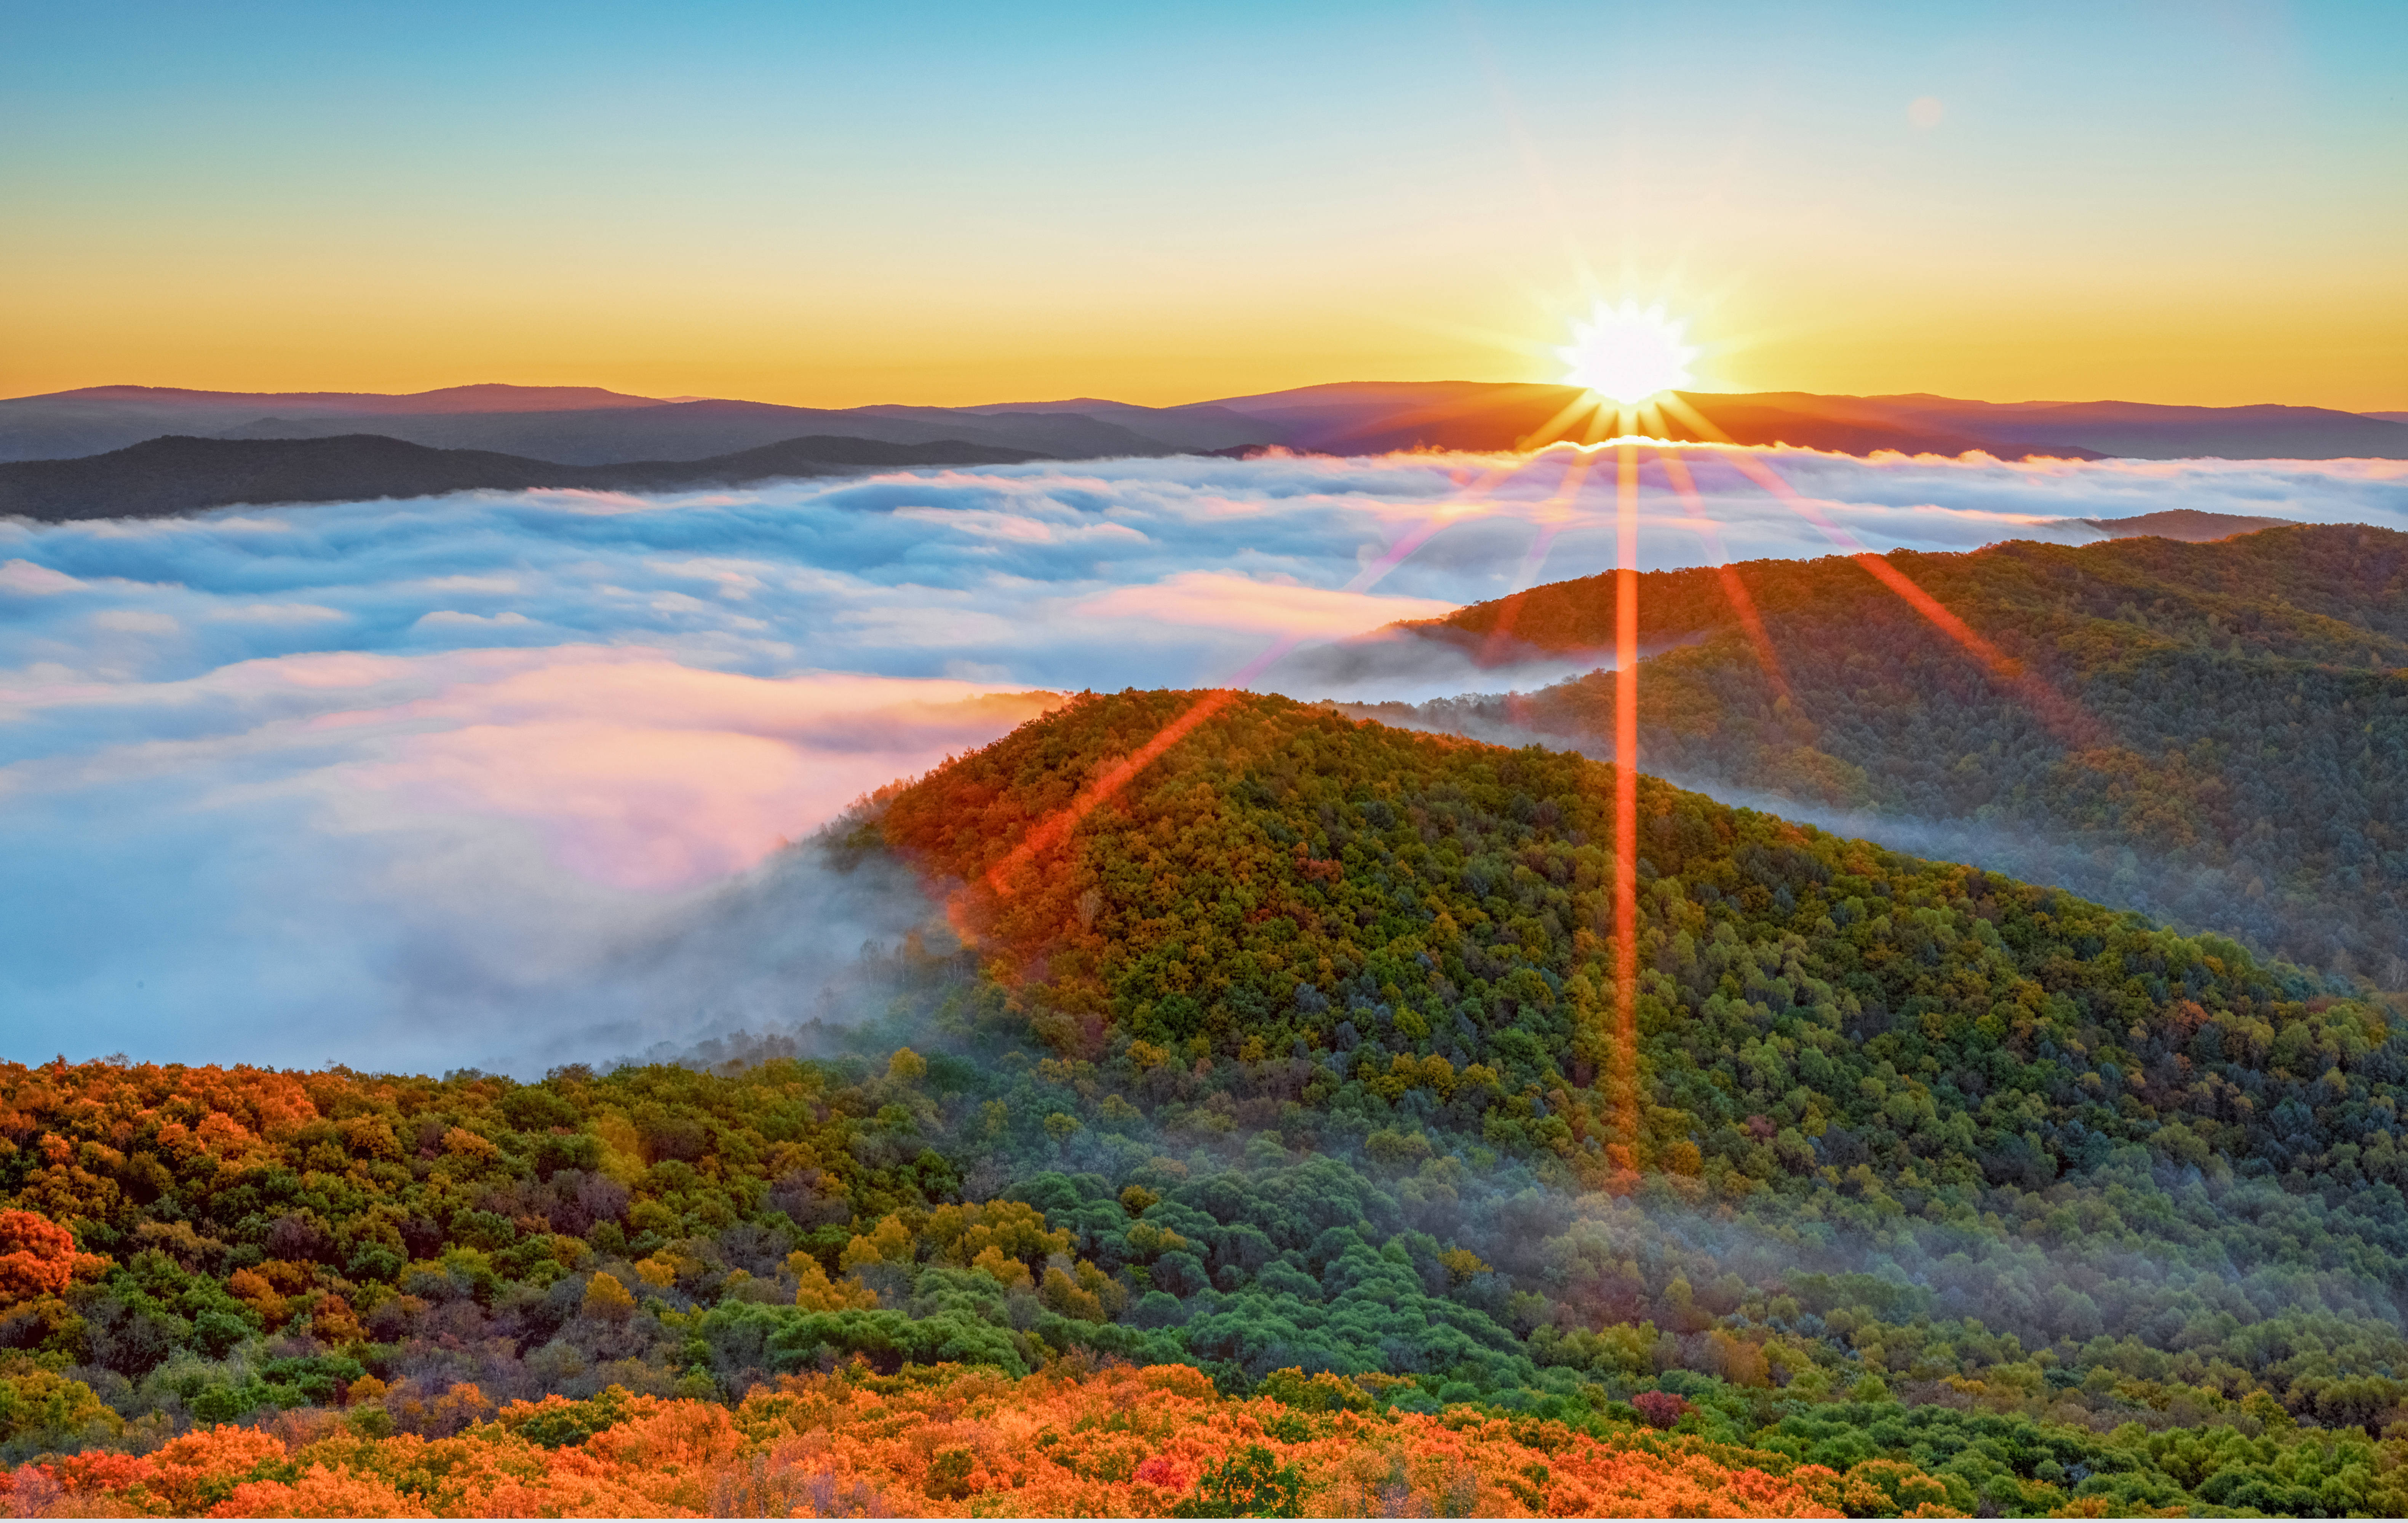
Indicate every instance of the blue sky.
{"type": "Point", "coordinates": [949, 203]}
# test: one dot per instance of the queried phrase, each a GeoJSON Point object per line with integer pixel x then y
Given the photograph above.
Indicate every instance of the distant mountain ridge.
{"type": "Point", "coordinates": [2228, 746]}
{"type": "Point", "coordinates": [2190, 525]}
{"type": "Point", "coordinates": [589, 426]}
{"type": "Point", "coordinates": [178, 473]}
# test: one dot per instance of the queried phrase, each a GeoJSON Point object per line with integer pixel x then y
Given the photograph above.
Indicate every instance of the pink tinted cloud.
{"type": "Point", "coordinates": [1219, 600]}
{"type": "Point", "coordinates": [643, 773]}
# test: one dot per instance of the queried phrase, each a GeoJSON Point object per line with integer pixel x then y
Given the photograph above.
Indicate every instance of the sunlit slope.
{"type": "Point", "coordinates": [1123, 1443]}
{"type": "Point", "coordinates": [2233, 752]}
{"type": "Point", "coordinates": [1352, 910]}
{"type": "Point", "coordinates": [1279, 1054]}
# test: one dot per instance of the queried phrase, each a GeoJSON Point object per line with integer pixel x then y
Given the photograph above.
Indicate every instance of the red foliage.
{"type": "Point", "coordinates": [1661, 1409]}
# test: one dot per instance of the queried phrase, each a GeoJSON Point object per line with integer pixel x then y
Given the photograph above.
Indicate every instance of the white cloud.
{"type": "Point", "coordinates": [355, 786]}
{"type": "Point", "coordinates": [455, 619]}
{"type": "Point", "coordinates": [1275, 606]}
{"type": "Point", "coordinates": [136, 621]}
{"type": "Point", "coordinates": [498, 584]}
{"type": "Point", "coordinates": [277, 613]}
{"type": "Point", "coordinates": [26, 579]}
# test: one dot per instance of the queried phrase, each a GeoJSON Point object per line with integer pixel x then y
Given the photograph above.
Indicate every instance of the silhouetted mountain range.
{"type": "Point", "coordinates": [1362, 418]}
{"type": "Point", "coordinates": [178, 473]}
{"type": "Point", "coordinates": [588, 426]}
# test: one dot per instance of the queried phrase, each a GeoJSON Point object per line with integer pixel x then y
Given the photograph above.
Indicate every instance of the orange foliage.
{"type": "Point", "coordinates": [37, 1257]}
{"type": "Point", "coordinates": [943, 1441]}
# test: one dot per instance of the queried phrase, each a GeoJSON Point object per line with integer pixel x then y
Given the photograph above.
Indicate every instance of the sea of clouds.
{"type": "Point", "coordinates": [408, 784]}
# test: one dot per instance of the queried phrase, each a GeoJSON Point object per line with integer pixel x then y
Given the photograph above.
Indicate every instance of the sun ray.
{"type": "Point", "coordinates": [1624, 1076]}
{"type": "Point", "coordinates": [2060, 714]}
{"type": "Point", "coordinates": [1581, 410]}
{"type": "Point", "coordinates": [1003, 878]}
{"type": "Point", "coordinates": [1554, 515]}
{"type": "Point", "coordinates": [1676, 471]}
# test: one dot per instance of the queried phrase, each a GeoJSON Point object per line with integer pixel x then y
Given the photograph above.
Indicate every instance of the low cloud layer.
{"type": "Point", "coordinates": [389, 782]}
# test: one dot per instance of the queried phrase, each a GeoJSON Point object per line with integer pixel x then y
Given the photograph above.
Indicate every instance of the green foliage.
{"type": "Point", "coordinates": [2237, 760]}
{"type": "Point", "coordinates": [41, 1410]}
{"type": "Point", "coordinates": [1289, 1063]}
{"type": "Point", "coordinates": [1249, 1483]}
{"type": "Point", "coordinates": [560, 1425]}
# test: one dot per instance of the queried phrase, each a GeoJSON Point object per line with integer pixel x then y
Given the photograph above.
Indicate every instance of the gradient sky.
{"type": "Point", "coordinates": [835, 205]}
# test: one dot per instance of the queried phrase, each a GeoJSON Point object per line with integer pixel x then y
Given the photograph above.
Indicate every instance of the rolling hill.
{"type": "Point", "coordinates": [2229, 754]}
{"type": "Point", "coordinates": [1359, 418]}
{"type": "Point", "coordinates": [1278, 1058]}
{"type": "Point", "coordinates": [179, 475]}
{"type": "Point", "coordinates": [98, 419]}
{"type": "Point", "coordinates": [583, 425]}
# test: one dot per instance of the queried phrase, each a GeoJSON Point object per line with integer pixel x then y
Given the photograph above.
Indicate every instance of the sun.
{"type": "Point", "coordinates": [1628, 354]}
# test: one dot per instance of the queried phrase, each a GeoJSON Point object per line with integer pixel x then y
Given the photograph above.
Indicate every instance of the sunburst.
{"type": "Point", "coordinates": [1628, 354]}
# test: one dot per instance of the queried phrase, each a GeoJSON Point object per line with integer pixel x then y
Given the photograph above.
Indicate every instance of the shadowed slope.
{"type": "Point", "coordinates": [2248, 701]}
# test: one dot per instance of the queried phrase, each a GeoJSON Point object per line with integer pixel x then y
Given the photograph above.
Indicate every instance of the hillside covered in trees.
{"type": "Point", "coordinates": [1274, 1049]}
{"type": "Point", "coordinates": [2218, 735]}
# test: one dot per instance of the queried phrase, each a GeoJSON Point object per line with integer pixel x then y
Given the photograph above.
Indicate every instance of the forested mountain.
{"type": "Point", "coordinates": [174, 475]}
{"type": "Point", "coordinates": [586, 426]}
{"type": "Point", "coordinates": [1277, 1046]}
{"type": "Point", "coordinates": [2219, 734]}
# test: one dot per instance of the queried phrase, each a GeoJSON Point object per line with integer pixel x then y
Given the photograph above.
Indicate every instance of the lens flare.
{"type": "Point", "coordinates": [1629, 352]}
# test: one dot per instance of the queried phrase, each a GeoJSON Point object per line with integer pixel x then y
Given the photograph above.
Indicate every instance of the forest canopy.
{"type": "Point", "coordinates": [2227, 748]}
{"type": "Point", "coordinates": [1274, 1054]}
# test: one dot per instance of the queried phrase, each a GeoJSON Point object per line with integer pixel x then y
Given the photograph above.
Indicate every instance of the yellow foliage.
{"type": "Point", "coordinates": [286, 1276]}
{"type": "Point", "coordinates": [1003, 1269]}
{"type": "Point", "coordinates": [461, 1142]}
{"type": "Point", "coordinates": [606, 1297]}
{"type": "Point", "coordinates": [1319, 1391]}
{"type": "Point", "coordinates": [1145, 1238]}
{"type": "Point", "coordinates": [657, 1273]}
{"type": "Point", "coordinates": [888, 1243]}
{"type": "Point", "coordinates": [35, 1400]}
{"type": "Point", "coordinates": [1111, 1293]}
{"type": "Point", "coordinates": [818, 1294]}
{"type": "Point", "coordinates": [958, 1234]}
{"type": "Point", "coordinates": [1063, 1294]}
{"type": "Point", "coordinates": [251, 1288]}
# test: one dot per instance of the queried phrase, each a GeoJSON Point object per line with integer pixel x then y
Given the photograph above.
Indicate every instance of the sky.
{"type": "Point", "coordinates": [505, 779]}
{"type": "Point", "coordinates": [955, 204]}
